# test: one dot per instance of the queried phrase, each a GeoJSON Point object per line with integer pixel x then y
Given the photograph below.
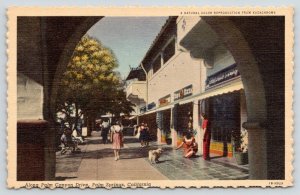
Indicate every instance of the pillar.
{"type": "Point", "coordinates": [196, 126]}
{"type": "Point", "coordinates": [158, 136]}
{"type": "Point", "coordinates": [159, 126]}
{"type": "Point", "coordinates": [200, 134]}
{"type": "Point", "coordinates": [257, 153]}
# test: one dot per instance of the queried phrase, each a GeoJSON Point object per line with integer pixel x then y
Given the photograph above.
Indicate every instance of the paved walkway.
{"type": "Point", "coordinates": [96, 162]}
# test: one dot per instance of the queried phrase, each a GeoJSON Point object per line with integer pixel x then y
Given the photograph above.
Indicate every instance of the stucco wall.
{"type": "Point", "coordinates": [30, 98]}
{"type": "Point", "coordinates": [180, 71]}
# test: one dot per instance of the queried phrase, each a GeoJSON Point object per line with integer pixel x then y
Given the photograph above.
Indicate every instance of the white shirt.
{"type": "Point", "coordinates": [105, 124]}
{"type": "Point", "coordinates": [116, 128]}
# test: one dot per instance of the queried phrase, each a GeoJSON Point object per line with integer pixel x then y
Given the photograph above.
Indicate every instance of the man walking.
{"type": "Point", "coordinates": [105, 129]}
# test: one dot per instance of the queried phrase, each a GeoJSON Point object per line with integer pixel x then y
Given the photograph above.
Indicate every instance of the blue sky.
{"type": "Point", "coordinates": [128, 37]}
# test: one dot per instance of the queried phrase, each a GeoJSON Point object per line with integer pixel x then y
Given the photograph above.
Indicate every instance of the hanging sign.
{"type": "Point", "coordinates": [222, 76]}
{"type": "Point", "coordinates": [164, 100]}
{"type": "Point", "coordinates": [183, 93]}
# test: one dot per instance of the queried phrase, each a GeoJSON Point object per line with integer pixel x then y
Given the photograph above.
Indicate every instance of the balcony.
{"type": "Point", "coordinates": [136, 92]}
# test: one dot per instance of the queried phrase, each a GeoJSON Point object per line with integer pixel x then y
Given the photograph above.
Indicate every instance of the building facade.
{"type": "Point", "coordinates": [178, 87]}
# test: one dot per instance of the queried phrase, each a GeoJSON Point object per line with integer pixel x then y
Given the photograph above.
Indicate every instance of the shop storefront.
{"type": "Point", "coordinates": [164, 120]}
{"type": "Point", "coordinates": [225, 109]}
{"type": "Point", "coordinates": [182, 117]}
{"type": "Point", "coordinates": [150, 119]}
{"type": "Point", "coordinates": [224, 112]}
{"type": "Point", "coordinates": [164, 125]}
{"type": "Point", "coordinates": [182, 113]}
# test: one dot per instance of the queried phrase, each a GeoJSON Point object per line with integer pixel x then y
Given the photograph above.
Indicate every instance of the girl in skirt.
{"type": "Point", "coordinates": [117, 139]}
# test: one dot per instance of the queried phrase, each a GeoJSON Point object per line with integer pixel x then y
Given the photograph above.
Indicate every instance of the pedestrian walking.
{"type": "Point", "coordinates": [146, 135]}
{"type": "Point", "coordinates": [105, 130]}
{"type": "Point", "coordinates": [117, 139]}
{"type": "Point", "coordinates": [142, 132]}
{"type": "Point", "coordinates": [206, 136]}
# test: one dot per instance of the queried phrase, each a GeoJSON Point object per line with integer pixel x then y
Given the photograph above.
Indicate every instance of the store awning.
{"type": "Point", "coordinates": [158, 109]}
{"type": "Point", "coordinates": [165, 107]}
{"type": "Point", "coordinates": [230, 87]}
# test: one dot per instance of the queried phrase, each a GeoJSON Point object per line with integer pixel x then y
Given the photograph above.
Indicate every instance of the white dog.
{"type": "Point", "coordinates": [154, 155]}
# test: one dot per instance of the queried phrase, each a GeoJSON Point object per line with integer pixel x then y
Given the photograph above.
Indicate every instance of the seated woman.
{"type": "Point", "coordinates": [190, 145]}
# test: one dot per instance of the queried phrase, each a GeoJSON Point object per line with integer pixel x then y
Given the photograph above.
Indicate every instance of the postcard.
{"type": "Point", "coordinates": [150, 97]}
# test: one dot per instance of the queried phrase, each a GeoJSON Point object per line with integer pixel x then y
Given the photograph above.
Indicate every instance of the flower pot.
{"type": "Point", "coordinates": [241, 158]}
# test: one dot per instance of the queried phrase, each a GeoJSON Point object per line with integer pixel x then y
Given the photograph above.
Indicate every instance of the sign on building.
{"type": "Point", "coordinates": [183, 93]}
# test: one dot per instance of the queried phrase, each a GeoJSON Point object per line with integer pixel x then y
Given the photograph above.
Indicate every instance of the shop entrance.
{"type": "Point", "coordinates": [224, 114]}
{"type": "Point", "coordinates": [166, 129]}
{"type": "Point", "coordinates": [184, 114]}
{"type": "Point", "coordinates": [150, 119]}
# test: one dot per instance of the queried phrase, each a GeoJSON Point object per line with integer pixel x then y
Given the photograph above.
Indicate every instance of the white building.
{"type": "Point", "coordinates": [172, 87]}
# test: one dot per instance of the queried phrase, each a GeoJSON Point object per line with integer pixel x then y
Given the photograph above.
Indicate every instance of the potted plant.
{"type": "Point", "coordinates": [240, 147]}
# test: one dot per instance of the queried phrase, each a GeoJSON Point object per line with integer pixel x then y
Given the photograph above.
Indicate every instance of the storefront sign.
{"type": "Point", "coordinates": [222, 76]}
{"type": "Point", "coordinates": [183, 93]}
{"type": "Point", "coordinates": [151, 106]}
{"type": "Point", "coordinates": [164, 100]}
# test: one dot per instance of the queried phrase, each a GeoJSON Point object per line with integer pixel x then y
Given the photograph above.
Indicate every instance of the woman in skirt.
{"type": "Point", "coordinates": [117, 139]}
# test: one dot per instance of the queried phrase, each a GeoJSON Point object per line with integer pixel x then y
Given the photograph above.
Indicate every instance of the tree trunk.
{"type": "Point", "coordinates": [77, 119]}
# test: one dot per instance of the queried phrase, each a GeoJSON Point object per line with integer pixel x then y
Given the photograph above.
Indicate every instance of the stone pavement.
{"type": "Point", "coordinates": [96, 162]}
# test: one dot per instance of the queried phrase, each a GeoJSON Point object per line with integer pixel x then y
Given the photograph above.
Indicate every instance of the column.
{"type": "Point", "coordinates": [173, 131]}
{"type": "Point", "coordinates": [199, 136]}
{"type": "Point", "coordinates": [196, 122]}
{"type": "Point", "coordinates": [158, 136]}
{"type": "Point", "coordinates": [257, 153]}
{"type": "Point", "coordinates": [159, 126]}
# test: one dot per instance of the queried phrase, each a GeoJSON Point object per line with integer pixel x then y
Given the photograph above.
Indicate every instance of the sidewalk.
{"type": "Point", "coordinates": [96, 162]}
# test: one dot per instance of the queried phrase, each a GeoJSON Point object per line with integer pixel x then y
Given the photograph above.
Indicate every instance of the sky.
{"type": "Point", "coordinates": [128, 37]}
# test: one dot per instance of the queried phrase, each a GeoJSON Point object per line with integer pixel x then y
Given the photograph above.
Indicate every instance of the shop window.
{"type": "Point", "coordinates": [166, 122]}
{"type": "Point", "coordinates": [156, 64]}
{"type": "Point", "coordinates": [183, 114]}
{"type": "Point", "coordinates": [169, 51]}
{"type": "Point", "coordinates": [224, 113]}
{"type": "Point", "coordinates": [151, 121]}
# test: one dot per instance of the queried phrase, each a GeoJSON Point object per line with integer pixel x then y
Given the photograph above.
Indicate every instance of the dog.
{"type": "Point", "coordinates": [154, 155]}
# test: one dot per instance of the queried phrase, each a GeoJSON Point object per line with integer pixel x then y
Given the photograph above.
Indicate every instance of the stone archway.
{"type": "Point", "coordinates": [261, 76]}
{"type": "Point", "coordinates": [243, 38]}
{"type": "Point", "coordinates": [43, 54]}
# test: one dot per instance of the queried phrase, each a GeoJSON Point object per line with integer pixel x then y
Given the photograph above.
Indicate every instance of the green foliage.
{"type": "Point", "coordinates": [90, 83]}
